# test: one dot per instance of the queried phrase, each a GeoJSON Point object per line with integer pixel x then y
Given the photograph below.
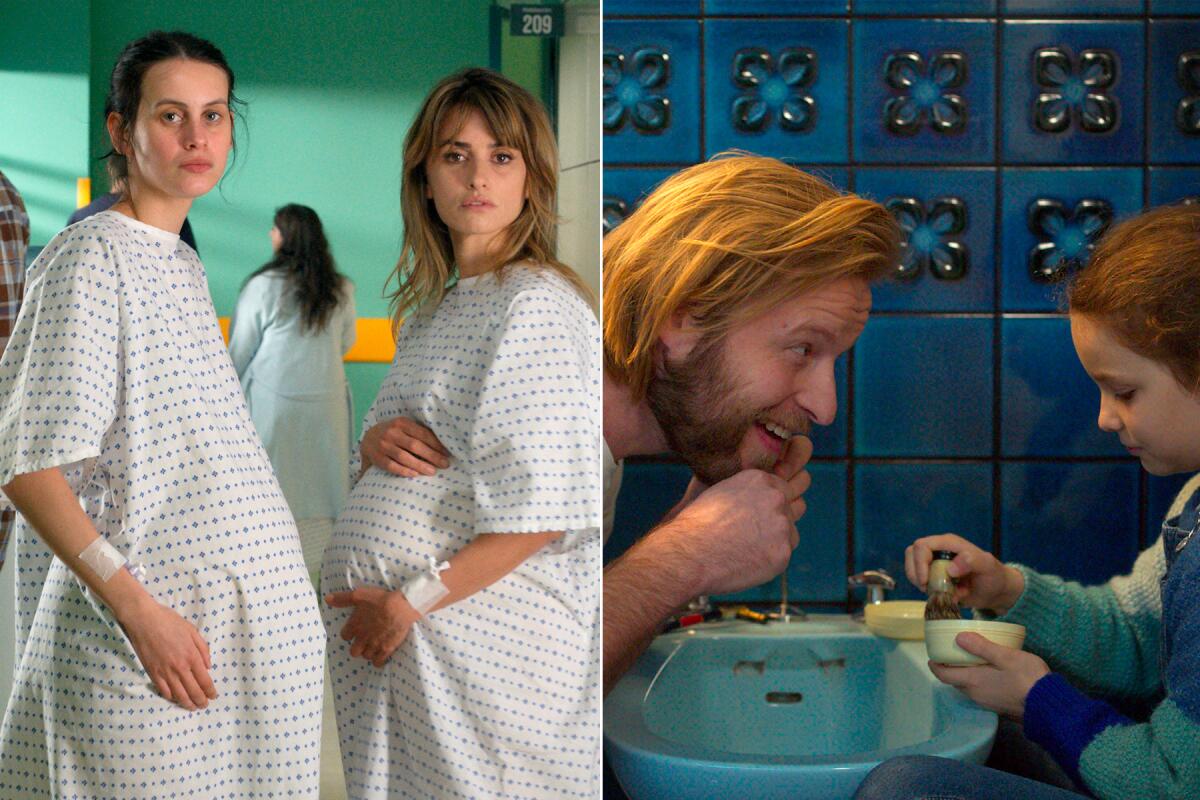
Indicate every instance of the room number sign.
{"type": "Point", "coordinates": [535, 20]}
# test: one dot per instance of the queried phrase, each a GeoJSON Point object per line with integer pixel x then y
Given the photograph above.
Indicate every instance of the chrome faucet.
{"type": "Point", "coordinates": [787, 612]}
{"type": "Point", "coordinates": [877, 582]}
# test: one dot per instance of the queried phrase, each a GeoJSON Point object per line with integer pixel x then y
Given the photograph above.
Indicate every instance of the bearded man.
{"type": "Point", "coordinates": [728, 296]}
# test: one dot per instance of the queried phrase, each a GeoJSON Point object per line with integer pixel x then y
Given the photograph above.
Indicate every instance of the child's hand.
{"type": "Point", "coordinates": [982, 580]}
{"type": "Point", "coordinates": [1002, 684]}
{"type": "Point", "coordinates": [403, 447]}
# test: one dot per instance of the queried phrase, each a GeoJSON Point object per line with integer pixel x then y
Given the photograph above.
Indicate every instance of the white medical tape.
{"type": "Point", "coordinates": [424, 591]}
{"type": "Point", "coordinates": [103, 558]}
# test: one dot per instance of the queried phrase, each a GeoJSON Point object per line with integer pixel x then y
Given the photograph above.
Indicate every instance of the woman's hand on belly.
{"type": "Point", "coordinates": [380, 622]}
{"type": "Point", "coordinates": [404, 447]}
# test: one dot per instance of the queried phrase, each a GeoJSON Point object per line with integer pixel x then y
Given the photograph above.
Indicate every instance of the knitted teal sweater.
{"type": "Point", "coordinates": [1137, 636]}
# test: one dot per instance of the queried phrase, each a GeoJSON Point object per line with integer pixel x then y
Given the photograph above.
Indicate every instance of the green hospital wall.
{"type": "Point", "coordinates": [44, 61]}
{"type": "Point", "coordinates": [330, 90]}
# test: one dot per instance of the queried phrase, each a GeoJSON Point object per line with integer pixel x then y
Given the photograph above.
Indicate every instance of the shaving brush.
{"type": "Point", "coordinates": [941, 603]}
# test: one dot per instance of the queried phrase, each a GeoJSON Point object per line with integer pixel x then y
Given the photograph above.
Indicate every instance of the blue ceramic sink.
{"type": "Point", "coordinates": [789, 710]}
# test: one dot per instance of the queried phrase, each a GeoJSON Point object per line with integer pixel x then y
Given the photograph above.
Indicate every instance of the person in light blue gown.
{"type": "Point", "coordinates": [293, 324]}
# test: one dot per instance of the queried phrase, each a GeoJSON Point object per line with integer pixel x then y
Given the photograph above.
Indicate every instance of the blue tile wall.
{"type": "Point", "coordinates": [1186, 7]}
{"type": "Point", "coordinates": [1175, 105]}
{"type": "Point", "coordinates": [923, 91]}
{"type": "Point", "coordinates": [1173, 184]}
{"type": "Point", "coordinates": [788, 102]}
{"type": "Point", "coordinates": [1048, 220]}
{"type": "Point", "coordinates": [657, 8]}
{"type": "Point", "coordinates": [651, 91]}
{"type": "Point", "coordinates": [964, 8]}
{"type": "Point", "coordinates": [1070, 8]}
{"type": "Point", "coordinates": [895, 503]}
{"type": "Point", "coordinates": [1005, 137]}
{"type": "Point", "coordinates": [773, 7]}
{"type": "Point", "coordinates": [1048, 404]}
{"type": "Point", "coordinates": [1070, 518]}
{"type": "Point", "coordinates": [949, 255]}
{"type": "Point", "coordinates": [659, 487]}
{"type": "Point", "coordinates": [1073, 91]}
{"type": "Point", "coordinates": [917, 380]}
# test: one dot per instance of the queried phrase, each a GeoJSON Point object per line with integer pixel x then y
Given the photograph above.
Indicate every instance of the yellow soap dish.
{"type": "Point", "coordinates": [896, 619]}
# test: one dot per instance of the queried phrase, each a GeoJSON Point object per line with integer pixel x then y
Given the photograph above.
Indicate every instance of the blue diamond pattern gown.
{"type": "Point", "coordinates": [118, 375]}
{"type": "Point", "coordinates": [498, 694]}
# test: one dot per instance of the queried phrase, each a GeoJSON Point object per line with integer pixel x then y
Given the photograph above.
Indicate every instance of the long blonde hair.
{"type": "Point", "coordinates": [517, 120]}
{"type": "Point", "coordinates": [726, 241]}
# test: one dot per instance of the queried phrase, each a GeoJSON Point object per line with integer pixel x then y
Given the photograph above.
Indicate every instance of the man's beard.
{"type": "Point", "coordinates": [697, 406]}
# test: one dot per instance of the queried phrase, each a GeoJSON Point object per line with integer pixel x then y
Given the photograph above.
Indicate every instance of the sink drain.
{"type": "Point", "coordinates": [783, 698]}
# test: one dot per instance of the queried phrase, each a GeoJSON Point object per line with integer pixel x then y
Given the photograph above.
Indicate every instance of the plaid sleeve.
{"type": "Point", "coordinates": [14, 239]}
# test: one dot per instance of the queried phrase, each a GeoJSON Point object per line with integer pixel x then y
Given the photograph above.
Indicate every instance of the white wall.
{"type": "Point", "coordinates": [579, 142]}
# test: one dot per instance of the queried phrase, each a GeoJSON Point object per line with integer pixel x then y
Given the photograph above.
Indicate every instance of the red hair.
{"type": "Point", "coordinates": [1142, 283]}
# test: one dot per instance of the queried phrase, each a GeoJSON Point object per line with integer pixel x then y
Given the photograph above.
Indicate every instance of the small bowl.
{"type": "Point", "coordinates": [939, 638]}
{"type": "Point", "coordinates": [896, 619]}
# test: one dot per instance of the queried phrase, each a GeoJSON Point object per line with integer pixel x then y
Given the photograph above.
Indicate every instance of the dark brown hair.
{"type": "Point", "coordinates": [304, 260]}
{"type": "Point", "coordinates": [125, 83]}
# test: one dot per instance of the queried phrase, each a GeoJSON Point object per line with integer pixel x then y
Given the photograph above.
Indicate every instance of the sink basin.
{"type": "Point", "coordinates": [896, 619]}
{"type": "Point", "coordinates": [789, 710]}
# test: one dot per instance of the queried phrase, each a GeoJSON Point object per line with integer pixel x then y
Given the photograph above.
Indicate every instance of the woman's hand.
{"type": "Point", "coordinates": [380, 622]}
{"type": "Point", "coordinates": [981, 580]}
{"type": "Point", "coordinates": [173, 653]}
{"type": "Point", "coordinates": [404, 447]}
{"type": "Point", "coordinates": [1002, 684]}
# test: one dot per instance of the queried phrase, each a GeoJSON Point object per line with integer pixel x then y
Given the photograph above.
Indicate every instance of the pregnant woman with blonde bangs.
{"type": "Point", "coordinates": [477, 676]}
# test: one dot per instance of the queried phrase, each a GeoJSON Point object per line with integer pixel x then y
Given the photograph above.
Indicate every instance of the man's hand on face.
{"type": "Point", "coordinates": [792, 468]}
{"type": "Point", "coordinates": [741, 532]}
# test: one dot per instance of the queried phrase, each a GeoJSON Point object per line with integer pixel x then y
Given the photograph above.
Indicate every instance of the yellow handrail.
{"type": "Point", "coordinates": [372, 345]}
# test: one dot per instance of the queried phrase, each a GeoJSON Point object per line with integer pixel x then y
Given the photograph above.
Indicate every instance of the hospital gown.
{"type": "Point", "coordinates": [498, 694]}
{"type": "Point", "coordinates": [117, 374]}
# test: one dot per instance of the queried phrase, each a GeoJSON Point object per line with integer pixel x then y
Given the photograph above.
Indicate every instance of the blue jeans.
{"type": "Point", "coordinates": [933, 778]}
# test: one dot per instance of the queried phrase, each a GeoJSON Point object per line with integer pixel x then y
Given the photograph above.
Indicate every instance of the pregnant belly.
{"type": "Point", "coordinates": [391, 526]}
